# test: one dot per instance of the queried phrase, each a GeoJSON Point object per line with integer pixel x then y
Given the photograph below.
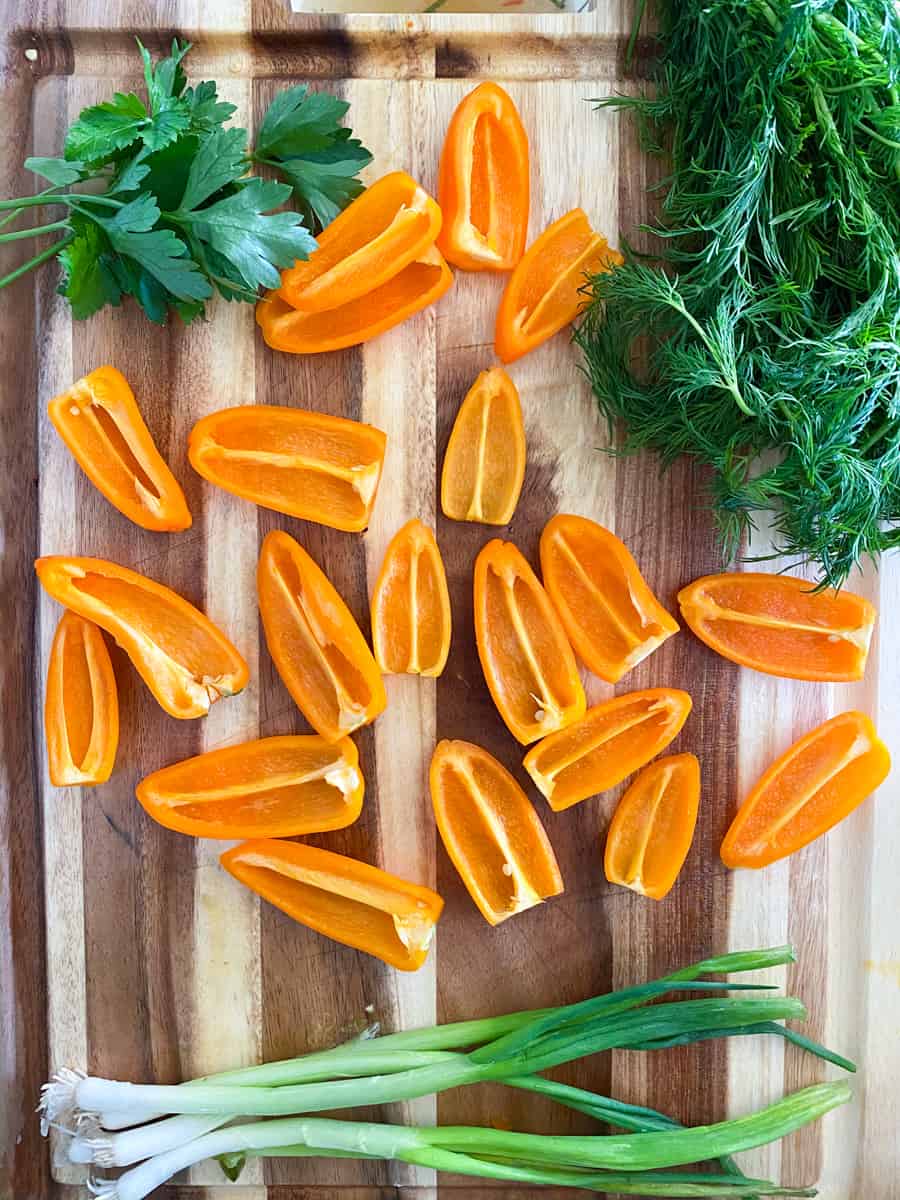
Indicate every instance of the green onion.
{"type": "Point", "coordinates": [501, 1155]}
{"type": "Point", "coordinates": [208, 1112]}
{"type": "Point", "coordinates": [683, 1019]}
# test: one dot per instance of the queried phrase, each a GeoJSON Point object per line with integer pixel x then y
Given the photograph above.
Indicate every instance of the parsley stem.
{"type": "Point", "coordinates": [19, 234]}
{"type": "Point", "coordinates": [44, 255]}
{"type": "Point", "coordinates": [30, 202]}
{"type": "Point", "coordinates": [69, 198]}
{"type": "Point", "coordinates": [15, 212]}
{"type": "Point", "coordinates": [79, 197]}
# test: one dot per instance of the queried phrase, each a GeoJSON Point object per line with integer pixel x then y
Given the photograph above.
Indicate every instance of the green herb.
{"type": "Point", "coordinates": [510, 1048]}
{"type": "Point", "coordinates": [626, 1163]}
{"type": "Point", "coordinates": [168, 214]}
{"type": "Point", "coordinates": [301, 136]}
{"type": "Point", "coordinates": [765, 341]}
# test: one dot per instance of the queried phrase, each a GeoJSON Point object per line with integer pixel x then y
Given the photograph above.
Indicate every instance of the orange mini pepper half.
{"type": "Point", "coordinates": [186, 662]}
{"type": "Point", "coordinates": [344, 899]}
{"type": "Point", "coordinates": [418, 285]}
{"type": "Point", "coordinates": [100, 422]}
{"type": "Point", "coordinates": [81, 711]}
{"type": "Point", "coordinates": [527, 661]}
{"type": "Point", "coordinates": [484, 465]}
{"type": "Point", "coordinates": [543, 294]}
{"type": "Point", "coordinates": [305, 464]}
{"type": "Point", "coordinates": [314, 641]}
{"type": "Point", "coordinates": [271, 787]}
{"type": "Point", "coordinates": [491, 832]}
{"type": "Point", "coordinates": [779, 625]}
{"type": "Point", "coordinates": [483, 186]}
{"type": "Point", "coordinates": [389, 226]}
{"type": "Point", "coordinates": [609, 743]}
{"type": "Point", "coordinates": [820, 780]}
{"type": "Point", "coordinates": [411, 605]}
{"type": "Point", "coordinates": [612, 618]}
{"type": "Point", "coordinates": [653, 827]}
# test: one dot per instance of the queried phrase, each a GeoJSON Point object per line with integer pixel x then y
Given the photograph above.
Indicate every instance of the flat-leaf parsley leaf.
{"type": "Point", "coordinates": [169, 214]}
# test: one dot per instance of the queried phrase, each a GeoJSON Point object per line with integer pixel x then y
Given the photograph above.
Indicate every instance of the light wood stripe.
{"type": "Point", "coordinates": [62, 807]}
{"type": "Point", "coordinates": [227, 986]}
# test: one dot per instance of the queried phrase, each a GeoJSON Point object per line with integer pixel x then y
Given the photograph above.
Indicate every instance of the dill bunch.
{"type": "Point", "coordinates": [762, 337]}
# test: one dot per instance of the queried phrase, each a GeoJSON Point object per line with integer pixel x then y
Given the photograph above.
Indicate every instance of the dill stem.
{"type": "Point", "coordinates": [882, 431]}
{"type": "Point", "coordinates": [635, 33]}
{"type": "Point", "coordinates": [729, 384]}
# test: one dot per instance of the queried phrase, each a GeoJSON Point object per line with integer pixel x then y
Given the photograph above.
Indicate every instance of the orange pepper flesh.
{"type": "Point", "coordinates": [346, 900]}
{"type": "Point", "coordinates": [491, 832]}
{"type": "Point", "coordinates": [609, 743]}
{"type": "Point", "coordinates": [306, 464]}
{"type": "Point", "coordinates": [820, 780]}
{"type": "Point", "coordinates": [527, 661]}
{"type": "Point", "coordinates": [612, 618]}
{"type": "Point", "coordinates": [777, 624]}
{"type": "Point", "coordinates": [653, 827]}
{"type": "Point", "coordinates": [411, 605]}
{"type": "Point", "coordinates": [484, 465]}
{"type": "Point", "coordinates": [483, 186]}
{"type": "Point", "coordinates": [389, 226]}
{"type": "Point", "coordinates": [417, 286]}
{"type": "Point", "coordinates": [314, 641]}
{"type": "Point", "coordinates": [101, 424]}
{"type": "Point", "coordinates": [186, 662]}
{"type": "Point", "coordinates": [543, 294]}
{"type": "Point", "coordinates": [81, 709]}
{"type": "Point", "coordinates": [271, 787]}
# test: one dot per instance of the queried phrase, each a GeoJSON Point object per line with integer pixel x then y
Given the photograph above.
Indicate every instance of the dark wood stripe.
{"type": "Point", "coordinates": [325, 48]}
{"type": "Point", "coordinates": [141, 945]}
{"type": "Point", "coordinates": [23, 983]}
{"type": "Point", "coordinates": [480, 969]}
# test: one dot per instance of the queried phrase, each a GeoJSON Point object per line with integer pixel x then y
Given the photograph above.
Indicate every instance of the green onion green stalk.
{"type": "Point", "coordinates": [118, 1123]}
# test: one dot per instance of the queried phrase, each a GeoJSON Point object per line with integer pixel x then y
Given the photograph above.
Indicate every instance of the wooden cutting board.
{"type": "Point", "coordinates": [124, 947]}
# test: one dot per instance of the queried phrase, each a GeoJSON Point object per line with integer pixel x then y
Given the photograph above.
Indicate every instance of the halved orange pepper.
{"type": "Point", "coordinates": [777, 624]}
{"type": "Point", "coordinates": [100, 422]}
{"type": "Point", "coordinates": [526, 658]}
{"type": "Point", "coordinates": [81, 710]}
{"type": "Point", "coordinates": [483, 186]}
{"type": "Point", "coordinates": [315, 643]}
{"type": "Point", "coordinates": [491, 832]}
{"type": "Point", "coordinates": [186, 662]}
{"type": "Point", "coordinates": [344, 899]}
{"type": "Point", "coordinates": [271, 787]}
{"type": "Point", "coordinates": [820, 780]}
{"type": "Point", "coordinates": [306, 464]}
{"type": "Point", "coordinates": [610, 742]}
{"type": "Point", "coordinates": [485, 461]}
{"type": "Point", "coordinates": [653, 827]}
{"type": "Point", "coordinates": [612, 618]}
{"type": "Point", "coordinates": [386, 228]}
{"type": "Point", "coordinates": [419, 284]}
{"type": "Point", "coordinates": [544, 291]}
{"type": "Point", "coordinates": [411, 605]}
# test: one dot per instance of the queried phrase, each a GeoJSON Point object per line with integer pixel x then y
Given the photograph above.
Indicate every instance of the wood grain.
{"type": "Point", "coordinates": [123, 946]}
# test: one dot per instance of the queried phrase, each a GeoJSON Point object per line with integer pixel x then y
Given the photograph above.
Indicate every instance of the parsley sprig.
{"type": "Point", "coordinates": [764, 341]}
{"type": "Point", "coordinates": [159, 203]}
